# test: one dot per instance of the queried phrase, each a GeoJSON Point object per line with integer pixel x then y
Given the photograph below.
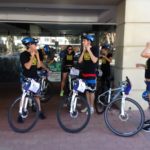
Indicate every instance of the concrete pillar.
{"type": "Point", "coordinates": [133, 31]}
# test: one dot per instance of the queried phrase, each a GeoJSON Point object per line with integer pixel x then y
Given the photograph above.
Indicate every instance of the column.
{"type": "Point", "coordinates": [133, 31]}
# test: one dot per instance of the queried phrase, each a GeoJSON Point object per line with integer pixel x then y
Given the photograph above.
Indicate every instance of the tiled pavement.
{"type": "Point", "coordinates": [47, 135]}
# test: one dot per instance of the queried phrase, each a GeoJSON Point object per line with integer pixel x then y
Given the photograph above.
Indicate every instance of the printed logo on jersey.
{"type": "Point", "coordinates": [103, 61]}
{"type": "Point", "coordinates": [86, 56]}
{"type": "Point", "coordinates": [69, 57]}
{"type": "Point", "coordinates": [34, 62]}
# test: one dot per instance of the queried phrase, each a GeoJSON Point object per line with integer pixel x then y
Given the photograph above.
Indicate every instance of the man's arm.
{"type": "Point", "coordinates": [140, 65]}
{"type": "Point", "coordinates": [81, 56]}
{"type": "Point", "coordinates": [28, 64]}
{"type": "Point", "coordinates": [146, 52]}
{"type": "Point", "coordinates": [93, 57]}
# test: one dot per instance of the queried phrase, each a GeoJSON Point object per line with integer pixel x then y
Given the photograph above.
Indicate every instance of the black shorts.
{"type": "Point", "coordinates": [66, 69]}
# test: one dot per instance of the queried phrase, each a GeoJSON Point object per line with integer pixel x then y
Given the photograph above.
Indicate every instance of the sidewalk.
{"type": "Point", "coordinates": [47, 135]}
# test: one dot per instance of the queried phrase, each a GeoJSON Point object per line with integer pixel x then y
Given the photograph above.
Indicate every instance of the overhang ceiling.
{"type": "Point", "coordinates": [64, 16]}
{"type": "Point", "coordinates": [59, 11]}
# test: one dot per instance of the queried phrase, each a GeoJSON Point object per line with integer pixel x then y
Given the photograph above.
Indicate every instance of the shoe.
{"type": "Point", "coordinates": [146, 128]}
{"type": "Point", "coordinates": [42, 116]}
{"type": "Point", "coordinates": [92, 110]}
{"type": "Point", "coordinates": [65, 105]}
{"type": "Point", "coordinates": [147, 122]}
{"type": "Point", "coordinates": [62, 93]}
{"type": "Point", "coordinates": [84, 110]}
{"type": "Point", "coordinates": [20, 119]}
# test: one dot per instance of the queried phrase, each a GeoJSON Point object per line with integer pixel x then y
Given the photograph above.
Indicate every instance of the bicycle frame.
{"type": "Point", "coordinates": [117, 90]}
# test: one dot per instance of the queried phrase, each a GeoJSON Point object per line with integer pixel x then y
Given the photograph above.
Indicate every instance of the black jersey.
{"type": "Point", "coordinates": [105, 66]}
{"type": "Point", "coordinates": [68, 59]}
{"type": "Point", "coordinates": [32, 72]}
{"type": "Point", "coordinates": [147, 69]}
{"type": "Point", "coordinates": [88, 66]}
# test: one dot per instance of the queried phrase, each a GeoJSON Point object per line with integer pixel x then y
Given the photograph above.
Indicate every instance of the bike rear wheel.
{"type": "Point", "coordinates": [76, 121]}
{"type": "Point", "coordinates": [129, 124]}
{"type": "Point", "coordinates": [100, 103]}
{"type": "Point", "coordinates": [47, 93]}
{"type": "Point", "coordinates": [28, 118]}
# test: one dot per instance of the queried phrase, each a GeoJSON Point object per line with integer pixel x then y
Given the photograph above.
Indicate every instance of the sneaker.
{"type": "Point", "coordinates": [62, 93]}
{"type": "Point", "coordinates": [92, 110]}
{"type": "Point", "coordinates": [84, 110]}
{"type": "Point", "coordinates": [42, 116]}
{"type": "Point", "coordinates": [147, 122]}
{"type": "Point", "coordinates": [20, 119]}
{"type": "Point", "coordinates": [146, 128]}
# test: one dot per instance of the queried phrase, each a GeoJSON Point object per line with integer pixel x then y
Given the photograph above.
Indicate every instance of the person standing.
{"type": "Point", "coordinates": [67, 62]}
{"type": "Point", "coordinates": [146, 54]}
{"type": "Point", "coordinates": [106, 59]}
{"type": "Point", "coordinates": [89, 59]}
{"type": "Point", "coordinates": [30, 62]}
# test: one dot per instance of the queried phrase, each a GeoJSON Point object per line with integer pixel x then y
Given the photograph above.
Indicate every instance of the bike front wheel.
{"type": "Point", "coordinates": [27, 119]}
{"type": "Point", "coordinates": [128, 124]}
{"type": "Point", "coordinates": [76, 121]}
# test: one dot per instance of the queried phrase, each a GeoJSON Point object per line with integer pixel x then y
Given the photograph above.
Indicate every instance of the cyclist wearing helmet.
{"type": "Point", "coordinates": [89, 58]}
{"type": "Point", "coordinates": [67, 62]}
{"type": "Point", "coordinates": [30, 61]}
{"type": "Point", "coordinates": [44, 54]}
{"type": "Point", "coordinates": [106, 59]}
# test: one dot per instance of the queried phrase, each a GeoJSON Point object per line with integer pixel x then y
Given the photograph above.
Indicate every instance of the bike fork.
{"type": "Point", "coordinates": [73, 102]}
{"type": "Point", "coordinates": [123, 104]}
{"type": "Point", "coordinates": [23, 103]}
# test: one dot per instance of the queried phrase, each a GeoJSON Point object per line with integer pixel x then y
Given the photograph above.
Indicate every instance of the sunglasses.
{"type": "Point", "coordinates": [69, 48]}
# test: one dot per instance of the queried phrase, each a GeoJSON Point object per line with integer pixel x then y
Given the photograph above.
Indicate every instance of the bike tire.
{"type": "Point", "coordinates": [48, 93]}
{"type": "Point", "coordinates": [99, 106]}
{"type": "Point", "coordinates": [29, 122]}
{"type": "Point", "coordinates": [68, 123]}
{"type": "Point", "coordinates": [119, 125]}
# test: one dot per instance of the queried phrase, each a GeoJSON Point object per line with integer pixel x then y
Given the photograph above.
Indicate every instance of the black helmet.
{"type": "Point", "coordinates": [29, 40]}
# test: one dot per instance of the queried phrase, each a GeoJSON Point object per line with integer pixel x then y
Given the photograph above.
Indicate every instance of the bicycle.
{"type": "Point", "coordinates": [123, 115]}
{"type": "Point", "coordinates": [69, 114]}
{"type": "Point", "coordinates": [44, 86]}
{"type": "Point", "coordinates": [103, 99]}
{"type": "Point", "coordinates": [23, 106]}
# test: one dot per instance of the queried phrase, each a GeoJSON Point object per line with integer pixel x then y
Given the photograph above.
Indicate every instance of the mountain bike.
{"type": "Point", "coordinates": [23, 106]}
{"type": "Point", "coordinates": [69, 114]}
{"type": "Point", "coordinates": [123, 115]}
{"type": "Point", "coordinates": [103, 99]}
{"type": "Point", "coordinates": [45, 85]}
